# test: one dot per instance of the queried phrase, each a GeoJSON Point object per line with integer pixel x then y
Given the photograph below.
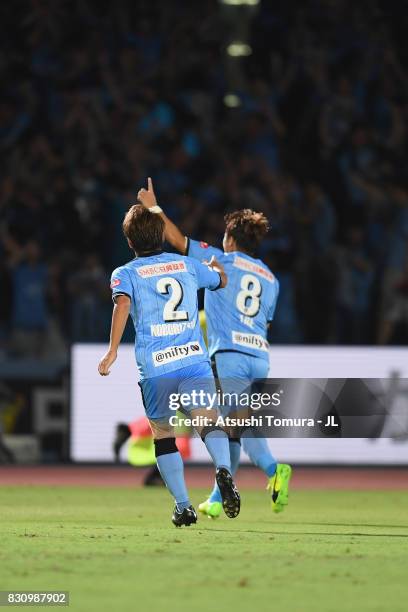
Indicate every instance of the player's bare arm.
{"type": "Point", "coordinates": [119, 317]}
{"type": "Point", "coordinates": [173, 235]}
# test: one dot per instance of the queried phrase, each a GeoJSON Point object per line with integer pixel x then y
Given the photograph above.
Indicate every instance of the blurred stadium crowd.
{"type": "Point", "coordinates": [311, 129]}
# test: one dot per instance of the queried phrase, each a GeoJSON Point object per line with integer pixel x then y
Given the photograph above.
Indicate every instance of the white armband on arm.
{"type": "Point", "coordinates": [155, 209]}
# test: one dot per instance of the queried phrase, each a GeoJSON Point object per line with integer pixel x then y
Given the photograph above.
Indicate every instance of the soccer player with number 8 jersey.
{"type": "Point", "coordinates": [237, 322]}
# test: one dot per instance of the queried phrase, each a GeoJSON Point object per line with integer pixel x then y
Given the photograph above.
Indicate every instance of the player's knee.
{"type": "Point", "coordinates": [205, 420]}
{"type": "Point", "coordinates": [161, 429]}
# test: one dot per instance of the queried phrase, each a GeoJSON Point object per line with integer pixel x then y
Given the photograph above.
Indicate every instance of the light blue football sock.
{"type": "Point", "coordinates": [258, 451]}
{"type": "Point", "coordinates": [171, 469]}
{"type": "Point", "coordinates": [235, 452]}
{"type": "Point", "coordinates": [217, 445]}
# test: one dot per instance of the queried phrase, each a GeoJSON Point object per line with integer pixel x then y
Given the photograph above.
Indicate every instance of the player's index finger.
{"type": "Point", "coordinates": [149, 184]}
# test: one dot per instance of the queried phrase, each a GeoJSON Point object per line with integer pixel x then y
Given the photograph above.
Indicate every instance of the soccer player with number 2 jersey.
{"type": "Point", "coordinates": [159, 291]}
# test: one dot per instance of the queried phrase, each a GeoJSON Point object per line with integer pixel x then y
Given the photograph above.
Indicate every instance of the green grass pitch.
{"type": "Point", "coordinates": [115, 549]}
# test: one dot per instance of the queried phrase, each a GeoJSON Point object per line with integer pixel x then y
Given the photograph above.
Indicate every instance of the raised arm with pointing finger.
{"type": "Point", "coordinates": [173, 235]}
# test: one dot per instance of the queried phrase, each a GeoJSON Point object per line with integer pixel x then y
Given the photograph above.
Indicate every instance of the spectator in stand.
{"type": "Point", "coordinates": [30, 312]}
{"type": "Point", "coordinates": [354, 289]}
{"type": "Point", "coordinates": [90, 300]}
{"type": "Point", "coordinates": [394, 328]}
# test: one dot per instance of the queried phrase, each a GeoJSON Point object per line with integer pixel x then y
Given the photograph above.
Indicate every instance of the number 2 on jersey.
{"type": "Point", "coordinates": [251, 290]}
{"type": "Point", "coordinates": [170, 312]}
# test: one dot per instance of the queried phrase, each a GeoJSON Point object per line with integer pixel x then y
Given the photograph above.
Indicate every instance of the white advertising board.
{"type": "Point", "coordinates": [99, 403]}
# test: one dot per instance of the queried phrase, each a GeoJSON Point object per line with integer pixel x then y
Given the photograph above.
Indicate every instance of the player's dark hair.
{"type": "Point", "coordinates": [144, 230]}
{"type": "Point", "coordinates": [247, 227]}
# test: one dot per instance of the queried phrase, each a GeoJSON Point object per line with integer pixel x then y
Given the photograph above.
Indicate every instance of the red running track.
{"type": "Point", "coordinates": [247, 478]}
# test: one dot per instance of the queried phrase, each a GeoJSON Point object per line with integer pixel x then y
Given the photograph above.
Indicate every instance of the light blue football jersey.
{"type": "Point", "coordinates": [163, 291]}
{"type": "Point", "coordinates": [238, 315]}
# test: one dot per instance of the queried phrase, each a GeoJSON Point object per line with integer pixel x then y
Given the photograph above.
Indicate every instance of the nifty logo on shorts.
{"type": "Point", "coordinates": [161, 268]}
{"type": "Point", "coordinates": [250, 340]}
{"type": "Point", "coordinates": [174, 353]}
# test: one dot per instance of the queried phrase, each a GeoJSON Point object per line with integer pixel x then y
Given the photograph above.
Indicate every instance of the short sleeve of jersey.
{"type": "Point", "coordinates": [272, 308]}
{"type": "Point", "coordinates": [206, 278]}
{"type": "Point", "coordinates": [120, 283]}
{"type": "Point", "coordinates": [201, 250]}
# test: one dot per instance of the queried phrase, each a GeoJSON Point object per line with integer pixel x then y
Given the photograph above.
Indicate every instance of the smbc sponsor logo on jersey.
{"type": "Point", "coordinates": [250, 266]}
{"type": "Point", "coordinates": [173, 353]}
{"type": "Point", "coordinates": [250, 340]}
{"type": "Point", "coordinates": [159, 269]}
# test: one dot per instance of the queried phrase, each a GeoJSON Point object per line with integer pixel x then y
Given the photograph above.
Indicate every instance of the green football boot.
{"type": "Point", "coordinates": [278, 485]}
{"type": "Point", "coordinates": [211, 509]}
